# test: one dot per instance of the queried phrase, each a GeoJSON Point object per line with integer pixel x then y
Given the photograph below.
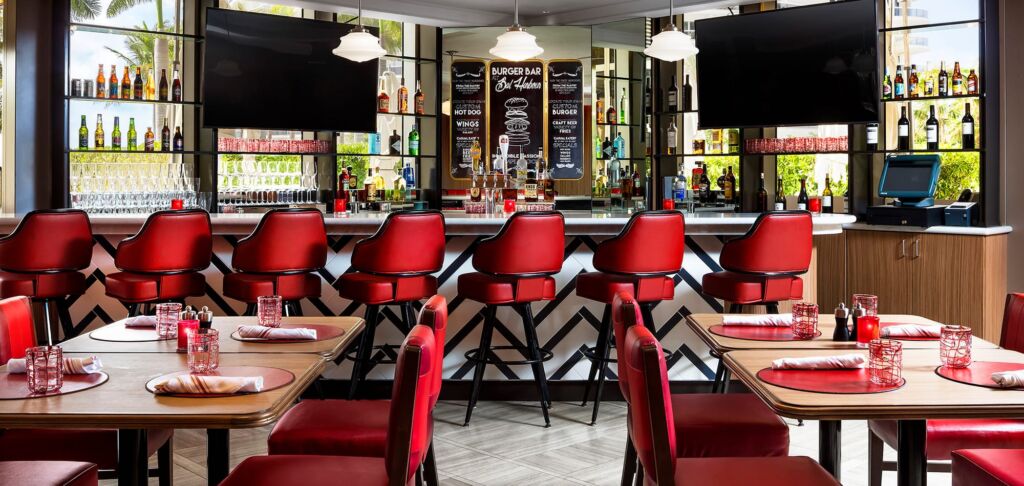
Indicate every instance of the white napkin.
{"type": "Point", "coordinates": [262, 332]}
{"type": "Point", "coordinates": [202, 384]}
{"type": "Point", "coordinates": [72, 366]}
{"type": "Point", "coordinates": [838, 362]}
{"type": "Point", "coordinates": [141, 322]}
{"type": "Point", "coordinates": [1009, 379]}
{"type": "Point", "coordinates": [911, 330]}
{"type": "Point", "coordinates": [765, 320]}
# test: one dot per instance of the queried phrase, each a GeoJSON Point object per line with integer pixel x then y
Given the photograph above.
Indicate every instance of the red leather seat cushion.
{"type": "Point", "coordinates": [98, 446]}
{"type": "Point", "coordinates": [308, 470]}
{"type": "Point", "coordinates": [750, 289]}
{"type": "Point", "coordinates": [381, 289]}
{"type": "Point", "coordinates": [602, 287]}
{"type": "Point", "coordinates": [333, 427]}
{"type": "Point", "coordinates": [988, 467]}
{"type": "Point", "coordinates": [248, 287]}
{"type": "Point", "coordinates": [727, 425]}
{"type": "Point", "coordinates": [489, 289]}
{"type": "Point", "coordinates": [946, 436]}
{"type": "Point", "coordinates": [760, 471]}
{"type": "Point", "coordinates": [48, 473]}
{"type": "Point", "coordinates": [141, 287]}
{"type": "Point", "coordinates": [41, 285]}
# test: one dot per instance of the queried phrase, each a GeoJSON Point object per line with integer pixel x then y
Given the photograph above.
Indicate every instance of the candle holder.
{"type": "Point", "coordinates": [167, 316]}
{"type": "Point", "coordinates": [955, 346]}
{"type": "Point", "coordinates": [885, 362]}
{"type": "Point", "coordinates": [868, 329]}
{"type": "Point", "coordinates": [45, 368]}
{"type": "Point", "coordinates": [268, 310]}
{"type": "Point", "coordinates": [805, 320]}
{"type": "Point", "coordinates": [868, 302]}
{"type": "Point", "coordinates": [203, 351]}
{"type": "Point", "coordinates": [186, 326]}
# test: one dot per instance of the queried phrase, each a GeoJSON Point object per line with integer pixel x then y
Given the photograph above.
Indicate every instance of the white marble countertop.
{"type": "Point", "coordinates": [939, 230]}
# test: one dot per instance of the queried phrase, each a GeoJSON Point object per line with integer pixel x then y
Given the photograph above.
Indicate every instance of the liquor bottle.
{"type": "Point", "coordinates": [115, 87]}
{"type": "Point", "coordinates": [150, 86]}
{"type": "Point", "coordinates": [414, 141]}
{"type": "Point", "coordinates": [508, 188]}
{"type": "Point", "coordinates": [165, 138]}
{"type": "Point", "coordinates": [521, 168]}
{"type": "Point", "coordinates": [419, 100]}
{"type": "Point", "coordinates": [101, 84]}
{"type": "Point", "coordinates": [671, 138]}
{"type": "Point", "coordinates": [972, 83]}
{"type": "Point", "coordinates": [530, 189]}
{"type": "Point", "coordinates": [887, 86]}
{"type": "Point", "coordinates": [373, 143]}
{"type": "Point", "coordinates": [716, 141]}
{"type": "Point", "coordinates": [958, 79]}
{"type": "Point", "coordinates": [872, 136]}
{"type": "Point", "coordinates": [606, 148]}
{"type": "Point", "coordinates": [903, 131]}
{"type": "Point", "coordinates": [913, 82]}
{"type": "Point", "coordinates": [409, 174]}
{"type": "Point", "coordinates": [137, 87]}
{"type": "Point", "coordinates": [679, 188]}
{"type": "Point", "coordinates": [647, 95]}
{"type": "Point", "coordinates": [133, 137]}
{"type": "Point", "coordinates": [966, 128]}
{"type": "Point", "coordinates": [600, 111]}
{"type": "Point", "coordinates": [943, 80]}
{"type": "Point", "coordinates": [148, 142]}
{"type": "Point", "coordinates": [162, 91]}
{"type": "Point", "coordinates": [623, 108]}
{"type": "Point", "coordinates": [899, 86]}
{"type": "Point", "coordinates": [627, 183]}
{"type": "Point", "coordinates": [802, 199]}
{"type": "Point", "coordinates": [620, 144]}
{"type": "Point", "coordinates": [932, 130]}
{"type": "Point", "coordinates": [613, 170]}
{"type": "Point", "coordinates": [115, 134]}
{"type": "Point", "coordinates": [699, 143]}
{"type": "Point", "coordinates": [474, 188]}
{"type": "Point", "coordinates": [383, 100]}
{"type": "Point", "coordinates": [353, 183]}
{"type": "Point", "coordinates": [343, 182]}
{"type": "Point", "coordinates": [695, 176]}
{"type": "Point", "coordinates": [126, 84]}
{"type": "Point", "coordinates": [780, 198]}
{"type": "Point", "coordinates": [83, 136]}
{"type": "Point", "coordinates": [638, 189]}
{"type": "Point", "coordinates": [176, 84]}
{"type": "Point", "coordinates": [369, 186]}
{"type": "Point", "coordinates": [729, 189]}
{"type": "Point", "coordinates": [395, 143]}
{"type": "Point", "coordinates": [403, 97]}
{"type": "Point", "coordinates": [673, 95]}
{"type": "Point", "coordinates": [179, 140]}
{"type": "Point", "coordinates": [734, 141]}
{"type": "Point", "coordinates": [474, 154]}
{"type": "Point", "coordinates": [762, 197]}
{"type": "Point", "coordinates": [687, 95]}
{"type": "Point", "coordinates": [378, 182]}
{"type": "Point", "coordinates": [704, 189]}
{"type": "Point", "coordinates": [929, 83]}
{"type": "Point", "coordinates": [611, 116]}
{"type": "Point", "coordinates": [826, 196]}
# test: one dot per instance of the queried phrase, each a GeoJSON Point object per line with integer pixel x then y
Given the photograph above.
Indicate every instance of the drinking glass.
{"type": "Point", "coordinates": [203, 351]}
{"type": "Point", "coordinates": [805, 320]}
{"type": "Point", "coordinates": [955, 346]}
{"type": "Point", "coordinates": [45, 368]}
{"type": "Point", "coordinates": [268, 310]}
{"type": "Point", "coordinates": [885, 362]}
{"type": "Point", "coordinates": [167, 316]}
{"type": "Point", "coordinates": [186, 327]}
{"type": "Point", "coordinates": [868, 302]}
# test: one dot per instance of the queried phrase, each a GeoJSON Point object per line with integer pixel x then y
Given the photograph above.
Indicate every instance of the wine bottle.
{"type": "Point", "coordinates": [932, 130]}
{"type": "Point", "coordinates": [943, 80]}
{"type": "Point", "coordinates": [762, 197]}
{"type": "Point", "coordinates": [903, 131]}
{"type": "Point", "coordinates": [802, 199]}
{"type": "Point", "coordinates": [966, 128]}
{"type": "Point", "coordinates": [670, 137]}
{"type": "Point", "coordinates": [826, 196]}
{"type": "Point", "coordinates": [687, 95]}
{"type": "Point", "coordinates": [872, 136]}
{"type": "Point", "coordinates": [780, 198]}
{"type": "Point", "coordinates": [673, 95]}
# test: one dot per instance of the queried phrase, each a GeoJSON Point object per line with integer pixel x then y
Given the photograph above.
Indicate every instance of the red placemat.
{"type": "Point", "coordinates": [757, 333]}
{"type": "Point", "coordinates": [323, 333]}
{"type": "Point", "coordinates": [14, 386]}
{"type": "Point", "coordinates": [117, 332]}
{"type": "Point", "coordinates": [979, 373]}
{"type": "Point", "coordinates": [273, 378]}
{"type": "Point", "coordinates": [887, 324]}
{"type": "Point", "coordinates": [825, 381]}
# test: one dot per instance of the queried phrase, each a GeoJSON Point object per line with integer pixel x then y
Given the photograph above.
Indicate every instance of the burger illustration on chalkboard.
{"type": "Point", "coordinates": [517, 127]}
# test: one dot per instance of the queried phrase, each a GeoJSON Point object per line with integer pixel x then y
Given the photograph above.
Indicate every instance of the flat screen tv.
{"type": "Point", "coordinates": [795, 66]}
{"type": "Point", "coordinates": [273, 72]}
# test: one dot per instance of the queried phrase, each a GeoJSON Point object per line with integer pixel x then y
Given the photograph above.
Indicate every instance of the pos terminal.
{"type": "Point", "coordinates": [911, 181]}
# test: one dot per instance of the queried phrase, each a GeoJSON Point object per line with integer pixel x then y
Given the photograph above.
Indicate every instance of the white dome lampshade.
{"type": "Point", "coordinates": [359, 46]}
{"type": "Point", "coordinates": [671, 45]}
{"type": "Point", "coordinates": [516, 44]}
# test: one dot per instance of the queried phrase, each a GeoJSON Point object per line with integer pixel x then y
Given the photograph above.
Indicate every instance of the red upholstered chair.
{"type": "Point", "coordinates": [705, 424]}
{"type": "Point", "coordinates": [357, 427]}
{"type": "Point", "coordinates": [43, 258]}
{"type": "Point", "coordinates": [48, 473]}
{"type": "Point", "coordinates": [630, 262]}
{"type": "Point", "coordinates": [163, 261]}
{"type": "Point", "coordinates": [408, 436]}
{"type": "Point", "coordinates": [988, 467]}
{"type": "Point", "coordinates": [514, 268]}
{"type": "Point", "coordinates": [947, 435]}
{"type": "Point", "coordinates": [279, 258]}
{"type": "Point", "coordinates": [651, 415]}
{"type": "Point", "coordinates": [392, 267]}
{"type": "Point", "coordinates": [97, 446]}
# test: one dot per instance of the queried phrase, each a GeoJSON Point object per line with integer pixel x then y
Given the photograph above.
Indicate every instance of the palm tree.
{"type": "Point", "coordinates": [116, 7]}
{"type": "Point", "coordinates": [85, 9]}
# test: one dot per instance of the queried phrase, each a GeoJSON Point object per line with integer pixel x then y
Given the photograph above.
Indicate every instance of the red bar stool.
{"type": "Point", "coordinates": [392, 267]}
{"type": "Point", "coordinates": [942, 437]}
{"type": "Point", "coordinates": [410, 427]}
{"type": "Point", "coordinates": [48, 473]}
{"type": "Point", "coordinates": [97, 446]}
{"type": "Point", "coordinates": [628, 262]}
{"type": "Point", "coordinates": [43, 258]}
{"type": "Point", "coordinates": [163, 261]}
{"type": "Point", "coordinates": [651, 418]}
{"type": "Point", "coordinates": [279, 258]}
{"type": "Point", "coordinates": [514, 268]}
{"type": "Point", "coordinates": [988, 467]}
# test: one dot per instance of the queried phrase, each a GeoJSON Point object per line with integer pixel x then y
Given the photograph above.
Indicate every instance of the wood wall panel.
{"type": "Point", "coordinates": [831, 286]}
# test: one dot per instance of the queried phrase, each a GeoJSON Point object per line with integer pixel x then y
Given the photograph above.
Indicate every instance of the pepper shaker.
{"type": "Point", "coordinates": [205, 318]}
{"type": "Point", "coordinates": [842, 332]}
{"type": "Point", "coordinates": [858, 311]}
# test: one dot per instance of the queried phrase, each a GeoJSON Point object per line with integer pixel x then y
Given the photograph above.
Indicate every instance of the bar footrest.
{"type": "Point", "coordinates": [473, 355]}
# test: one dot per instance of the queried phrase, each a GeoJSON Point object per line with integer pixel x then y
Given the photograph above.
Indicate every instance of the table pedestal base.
{"type": "Point", "coordinates": [911, 460]}
{"type": "Point", "coordinates": [830, 446]}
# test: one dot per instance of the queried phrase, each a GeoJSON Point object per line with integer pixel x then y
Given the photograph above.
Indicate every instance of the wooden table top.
{"type": "Point", "coordinates": [700, 323]}
{"type": "Point", "coordinates": [124, 403]}
{"type": "Point", "coordinates": [925, 395]}
{"type": "Point", "coordinates": [329, 348]}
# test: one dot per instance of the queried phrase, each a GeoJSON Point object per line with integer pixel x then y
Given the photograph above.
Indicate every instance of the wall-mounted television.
{"type": "Point", "coordinates": [274, 72]}
{"type": "Point", "coordinates": [808, 65]}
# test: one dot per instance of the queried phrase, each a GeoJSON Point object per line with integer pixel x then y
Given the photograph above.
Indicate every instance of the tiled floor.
{"type": "Point", "coordinates": [506, 444]}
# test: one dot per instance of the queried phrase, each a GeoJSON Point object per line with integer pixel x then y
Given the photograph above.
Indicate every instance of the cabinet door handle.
{"type": "Point", "coordinates": [917, 248]}
{"type": "Point", "coordinates": [903, 248]}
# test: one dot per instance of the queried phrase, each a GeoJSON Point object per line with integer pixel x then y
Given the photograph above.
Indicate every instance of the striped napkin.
{"type": "Point", "coordinates": [274, 333]}
{"type": "Point", "coordinates": [838, 362]}
{"type": "Point", "coordinates": [72, 366]}
{"type": "Point", "coordinates": [764, 320]}
{"type": "Point", "coordinates": [214, 385]}
{"type": "Point", "coordinates": [911, 331]}
{"type": "Point", "coordinates": [141, 322]}
{"type": "Point", "coordinates": [1009, 379]}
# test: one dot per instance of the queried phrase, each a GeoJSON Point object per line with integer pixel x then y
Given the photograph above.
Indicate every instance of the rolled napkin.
{"type": "Point", "coordinates": [72, 366]}
{"type": "Point", "coordinates": [142, 322]}
{"type": "Point", "coordinates": [838, 362]}
{"type": "Point", "coordinates": [273, 333]}
{"type": "Point", "coordinates": [765, 320]}
{"type": "Point", "coordinates": [911, 331]}
{"type": "Point", "coordinates": [1009, 379]}
{"type": "Point", "coordinates": [216, 385]}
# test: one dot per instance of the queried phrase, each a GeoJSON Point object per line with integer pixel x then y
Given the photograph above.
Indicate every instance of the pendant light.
{"type": "Point", "coordinates": [516, 44]}
{"type": "Point", "coordinates": [671, 44]}
{"type": "Point", "coordinates": [359, 45]}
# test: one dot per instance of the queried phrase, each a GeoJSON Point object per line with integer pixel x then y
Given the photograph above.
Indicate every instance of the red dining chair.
{"type": "Point", "coordinates": [514, 268]}
{"type": "Point", "coordinates": [630, 262]}
{"type": "Point", "coordinates": [357, 427]}
{"type": "Point", "coordinates": [988, 467]}
{"type": "Point", "coordinates": [651, 415]}
{"type": "Point", "coordinates": [97, 446]}
{"type": "Point", "coordinates": [705, 424]}
{"type": "Point", "coordinates": [48, 473]}
{"type": "Point", "coordinates": [392, 267]}
{"type": "Point", "coordinates": [942, 437]}
{"type": "Point", "coordinates": [408, 436]}
{"type": "Point", "coordinates": [163, 261]}
{"type": "Point", "coordinates": [43, 258]}
{"type": "Point", "coordinates": [279, 258]}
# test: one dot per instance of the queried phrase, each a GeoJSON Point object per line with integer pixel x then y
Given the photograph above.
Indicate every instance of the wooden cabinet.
{"type": "Point", "coordinates": [879, 265]}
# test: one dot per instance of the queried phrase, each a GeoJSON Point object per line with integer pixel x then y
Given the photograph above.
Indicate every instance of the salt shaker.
{"type": "Point", "coordinates": [842, 332]}
{"type": "Point", "coordinates": [205, 318]}
{"type": "Point", "coordinates": [858, 311]}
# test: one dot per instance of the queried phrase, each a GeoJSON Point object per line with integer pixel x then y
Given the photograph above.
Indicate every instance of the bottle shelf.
{"type": "Point", "coordinates": [111, 29]}
{"type": "Point", "coordinates": [682, 156]}
{"type": "Point", "coordinates": [121, 100]}
{"type": "Point", "coordinates": [623, 158]}
{"type": "Point", "coordinates": [630, 125]}
{"type": "Point", "coordinates": [932, 26]}
{"type": "Point", "coordinates": [319, 154]}
{"type": "Point", "coordinates": [932, 98]}
{"type": "Point", "coordinates": [915, 151]}
{"type": "Point", "coordinates": [124, 151]}
{"type": "Point", "coordinates": [618, 78]}
{"type": "Point", "coordinates": [410, 115]}
{"type": "Point", "coordinates": [673, 113]}
{"type": "Point", "coordinates": [409, 58]}
{"type": "Point", "coordinates": [779, 154]}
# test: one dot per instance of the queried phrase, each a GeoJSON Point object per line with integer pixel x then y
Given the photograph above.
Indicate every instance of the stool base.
{"type": "Point", "coordinates": [364, 352]}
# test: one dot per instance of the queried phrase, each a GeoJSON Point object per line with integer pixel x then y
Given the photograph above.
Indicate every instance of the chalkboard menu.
{"type": "Point", "coordinates": [565, 119]}
{"type": "Point", "coordinates": [516, 109]}
{"type": "Point", "coordinates": [468, 114]}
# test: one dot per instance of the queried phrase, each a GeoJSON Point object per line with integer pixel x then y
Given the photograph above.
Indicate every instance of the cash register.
{"type": "Point", "coordinates": [910, 180]}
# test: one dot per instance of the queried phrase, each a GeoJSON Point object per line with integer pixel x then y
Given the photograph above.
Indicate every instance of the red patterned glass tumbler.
{"type": "Point", "coordinates": [268, 310]}
{"type": "Point", "coordinates": [868, 329]}
{"type": "Point", "coordinates": [868, 302]}
{"type": "Point", "coordinates": [885, 362]}
{"type": "Point", "coordinates": [186, 327]}
{"type": "Point", "coordinates": [167, 316]}
{"type": "Point", "coordinates": [955, 346]}
{"type": "Point", "coordinates": [805, 320]}
{"type": "Point", "coordinates": [45, 368]}
{"type": "Point", "coordinates": [203, 351]}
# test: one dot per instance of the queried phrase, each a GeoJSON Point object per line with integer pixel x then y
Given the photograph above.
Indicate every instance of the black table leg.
{"type": "Point", "coordinates": [830, 446]}
{"type": "Point", "coordinates": [218, 447]}
{"type": "Point", "coordinates": [911, 462]}
{"type": "Point", "coordinates": [132, 467]}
